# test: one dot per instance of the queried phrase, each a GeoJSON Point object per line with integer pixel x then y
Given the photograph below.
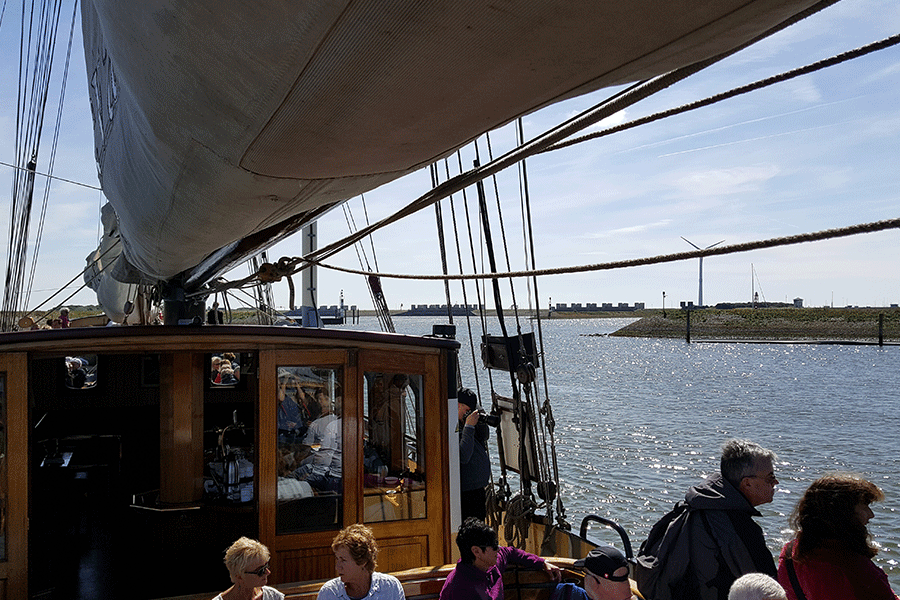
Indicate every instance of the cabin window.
{"type": "Point", "coordinates": [394, 447]}
{"type": "Point", "coordinates": [225, 369]}
{"type": "Point", "coordinates": [3, 469]}
{"type": "Point", "coordinates": [309, 461]}
{"type": "Point", "coordinates": [81, 371]}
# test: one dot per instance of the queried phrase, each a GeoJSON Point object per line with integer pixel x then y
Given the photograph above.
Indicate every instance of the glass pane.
{"type": "Point", "coordinates": [394, 447]}
{"type": "Point", "coordinates": [310, 463]}
{"type": "Point", "coordinates": [3, 486]}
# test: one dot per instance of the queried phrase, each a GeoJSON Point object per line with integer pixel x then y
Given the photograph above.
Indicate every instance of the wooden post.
{"type": "Point", "coordinates": [181, 427]}
{"type": "Point", "coordinates": [687, 333]}
{"type": "Point", "coordinates": [881, 329]}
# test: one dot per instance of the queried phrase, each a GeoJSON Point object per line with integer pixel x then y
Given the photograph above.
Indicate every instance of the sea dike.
{"type": "Point", "coordinates": [866, 325]}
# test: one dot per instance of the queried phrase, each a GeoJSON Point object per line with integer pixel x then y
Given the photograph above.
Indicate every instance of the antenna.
{"type": "Point", "coordinates": [700, 294]}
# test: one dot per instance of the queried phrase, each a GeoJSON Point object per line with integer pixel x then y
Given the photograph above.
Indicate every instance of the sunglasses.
{"type": "Point", "coordinates": [260, 571]}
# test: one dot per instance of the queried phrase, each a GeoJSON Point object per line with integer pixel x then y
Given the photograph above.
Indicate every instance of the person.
{"type": "Point", "coordinates": [324, 470]}
{"type": "Point", "coordinates": [247, 562]}
{"type": "Point", "coordinates": [474, 462]}
{"type": "Point", "coordinates": [479, 571]}
{"type": "Point", "coordinates": [316, 432]}
{"type": "Point", "coordinates": [291, 422]}
{"type": "Point", "coordinates": [710, 539]}
{"type": "Point", "coordinates": [756, 586]}
{"type": "Point", "coordinates": [355, 554]}
{"type": "Point", "coordinates": [605, 577]}
{"type": "Point", "coordinates": [64, 318]}
{"type": "Point", "coordinates": [831, 554]}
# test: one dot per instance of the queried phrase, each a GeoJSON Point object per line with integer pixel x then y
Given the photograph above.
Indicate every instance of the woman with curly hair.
{"type": "Point", "coordinates": [355, 553]}
{"type": "Point", "coordinates": [830, 557]}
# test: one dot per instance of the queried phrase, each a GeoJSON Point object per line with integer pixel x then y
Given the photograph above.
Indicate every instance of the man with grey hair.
{"type": "Point", "coordinates": [710, 539]}
{"type": "Point", "coordinates": [756, 586]}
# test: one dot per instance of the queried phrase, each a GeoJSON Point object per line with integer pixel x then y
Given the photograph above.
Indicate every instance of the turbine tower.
{"type": "Point", "coordinates": [700, 294]}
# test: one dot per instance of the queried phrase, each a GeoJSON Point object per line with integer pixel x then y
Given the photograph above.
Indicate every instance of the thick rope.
{"type": "Point", "coordinates": [744, 89]}
{"type": "Point", "coordinates": [653, 260]}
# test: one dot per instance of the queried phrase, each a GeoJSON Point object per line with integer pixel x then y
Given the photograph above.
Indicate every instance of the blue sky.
{"type": "Point", "coordinates": [815, 153]}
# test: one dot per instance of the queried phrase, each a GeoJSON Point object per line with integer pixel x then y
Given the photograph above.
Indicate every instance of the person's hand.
{"type": "Point", "coordinates": [473, 417]}
{"type": "Point", "coordinates": [553, 571]}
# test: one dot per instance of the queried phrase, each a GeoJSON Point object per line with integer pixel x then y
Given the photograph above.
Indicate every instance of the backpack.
{"type": "Point", "coordinates": [659, 542]}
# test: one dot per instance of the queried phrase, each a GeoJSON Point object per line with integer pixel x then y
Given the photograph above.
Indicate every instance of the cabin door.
{"type": "Point", "coordinates": [13, 476]}
{"type": "Point", "coordinates": [352, 436]}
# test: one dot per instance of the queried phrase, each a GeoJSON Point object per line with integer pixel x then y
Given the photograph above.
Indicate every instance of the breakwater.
{"type": "Point", "coordinates": [861, 325]}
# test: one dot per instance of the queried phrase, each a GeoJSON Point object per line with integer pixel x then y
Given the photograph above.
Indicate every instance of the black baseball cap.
{"type": "Point", "coordinates": [603, 562]}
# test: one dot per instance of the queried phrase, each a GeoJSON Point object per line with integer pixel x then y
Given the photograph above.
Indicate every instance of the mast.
{"type": "Point", "coordinates": [309, 279]}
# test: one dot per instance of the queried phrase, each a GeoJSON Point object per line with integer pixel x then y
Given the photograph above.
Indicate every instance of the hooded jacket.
{"type": "Point", "coordinates": [709, 545]}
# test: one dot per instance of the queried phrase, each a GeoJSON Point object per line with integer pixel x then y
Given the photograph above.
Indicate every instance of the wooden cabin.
{"type": "Point", "coordinates": [129, 463]}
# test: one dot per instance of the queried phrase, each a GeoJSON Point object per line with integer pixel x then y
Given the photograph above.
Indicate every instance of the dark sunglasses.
{"type": "Point", "coordinates": [260, 571]}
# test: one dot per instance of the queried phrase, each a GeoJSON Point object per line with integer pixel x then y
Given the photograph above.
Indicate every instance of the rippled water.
{"type": "Point", "coordinates": [640, 420]}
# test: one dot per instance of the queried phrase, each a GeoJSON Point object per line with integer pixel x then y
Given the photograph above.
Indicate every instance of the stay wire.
{"type": "Point", "coordinates": [53, 148]}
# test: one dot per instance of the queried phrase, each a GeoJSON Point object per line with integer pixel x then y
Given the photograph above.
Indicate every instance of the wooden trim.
{"type": "Point", "coordinates": [181, 427]}
{"type": "Point", "coordinates": [16, 568]}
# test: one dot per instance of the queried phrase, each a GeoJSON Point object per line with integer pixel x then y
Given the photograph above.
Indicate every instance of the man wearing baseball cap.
{"type": "Point", "coordinates": [605, 575]}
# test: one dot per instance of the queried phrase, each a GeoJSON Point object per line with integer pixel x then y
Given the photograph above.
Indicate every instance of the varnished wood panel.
{"type": "Point", "coordinates": [14, 575]}
{"type": "Point", "coordinates": [181, 427]}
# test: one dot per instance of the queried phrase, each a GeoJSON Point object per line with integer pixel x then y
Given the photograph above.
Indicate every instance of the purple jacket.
{"type": "Point", "coordinates": [467, 582]}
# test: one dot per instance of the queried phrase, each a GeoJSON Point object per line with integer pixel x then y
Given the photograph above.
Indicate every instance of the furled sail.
{"type": "Point", "coordinates": [222, 126]}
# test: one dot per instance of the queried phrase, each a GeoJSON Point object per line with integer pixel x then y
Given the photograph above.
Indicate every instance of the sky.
{"type": "Point", "coordinates": [814, 153]}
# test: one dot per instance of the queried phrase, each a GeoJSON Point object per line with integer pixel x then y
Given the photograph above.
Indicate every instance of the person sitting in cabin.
{"type": "Point", "coordinates": [831, 556]}
{"type": "Point", "coordinates": [355, 554]}
{"type": "Point", "coordinates": [605, 577]}
{"type": "Point", "coordinates": [710, 539]}
{"type": "Point", "coordinates": [247, 562]}
{"type": "Point", "coordinates": [474, 462]}
{"type": "Point", "coordinates": [316, 432]}
{"type": "Point", "coordinates": [226, 375]}
{"type": "Point", "coordinates": [323, 471]}
{"type": "Point", "coordinates": [479, 572]}
{"type": "Point", "coordinates": [291, 421]}
{"type": "Point", "coordinates": [756, 586]}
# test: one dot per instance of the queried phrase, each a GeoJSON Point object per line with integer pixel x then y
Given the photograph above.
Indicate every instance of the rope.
{"type": "Point", "coordinates": [54, 177]}
{"type": "Point", "coordinates": [614, 104]}
{"type": "Point", "coordinates": [518, 520]}
{"type": "Point", "coordinates": [744, 89]}
{"type": "Point", "coordinates": [653, 260]}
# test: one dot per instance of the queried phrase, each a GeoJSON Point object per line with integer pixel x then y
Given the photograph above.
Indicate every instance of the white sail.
{"type": "Point", "coordinates": [215, 121]}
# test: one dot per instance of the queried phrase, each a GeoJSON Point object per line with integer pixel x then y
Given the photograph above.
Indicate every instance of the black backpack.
{"type": "Point", "coordinates": [647, 563]}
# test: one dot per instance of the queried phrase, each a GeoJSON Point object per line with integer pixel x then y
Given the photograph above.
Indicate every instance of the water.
{"type": "Point", "coordinates": [641, 420]}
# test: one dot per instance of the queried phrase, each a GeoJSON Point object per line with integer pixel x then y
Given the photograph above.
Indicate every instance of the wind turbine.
{"type": "Point", "coordinates": [700, 295]}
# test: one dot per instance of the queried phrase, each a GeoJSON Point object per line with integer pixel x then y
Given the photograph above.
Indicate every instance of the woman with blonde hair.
{"type": "Point", "coordinates": [247, 562]}
{"type": "Point", "coordinates": [355, 554]}
{"type": "Point", "coordinates": [830, 557]}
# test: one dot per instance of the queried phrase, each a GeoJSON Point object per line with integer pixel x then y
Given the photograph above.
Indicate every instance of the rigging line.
{"type": "Point", "coordinates": [49, 176]}
{"type": "Point", "coordinates": [512, 287]}
{"type": "Point", "coordinates": [371, 238]}
{"type": "Point", "coordinates": [53, 148]}
{"type": "Point", "coordinates": [443, 248]}
{"type": "Point", "coordinates": [612, 105]}
{"type": "Point", "coordinates": [351, 225]}
{"type": "Point", "coordinates": [744, 89]}
{"type": "Point", "coordinates": [71, 281]}
{"type": "Point", "coordinates": [816, 236]}
{"type": "Point", "coordinates": [463, 287]}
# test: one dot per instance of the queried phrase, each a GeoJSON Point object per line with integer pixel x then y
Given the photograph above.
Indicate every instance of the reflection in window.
{"type": "Point", "coordinates": [394, 447]}
{"type": "Point", "coordinates": [3, 483]}
{"type": "Point", "coordinates": [225, 369]}
{"type": "Point", "coordinates": [310, 462]}
{"type": "Point", "coordinates": [81, 371]}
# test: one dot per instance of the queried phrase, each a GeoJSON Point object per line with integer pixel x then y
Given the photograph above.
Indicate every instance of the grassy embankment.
{"type": "Point", "coordinates": [838, 324]}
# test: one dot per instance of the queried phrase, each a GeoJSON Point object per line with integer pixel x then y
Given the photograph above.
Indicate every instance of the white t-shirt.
{"type": "Point", "coordinates": [268, 593]}
{"type": "Point", "coordinates": [384, 587]}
